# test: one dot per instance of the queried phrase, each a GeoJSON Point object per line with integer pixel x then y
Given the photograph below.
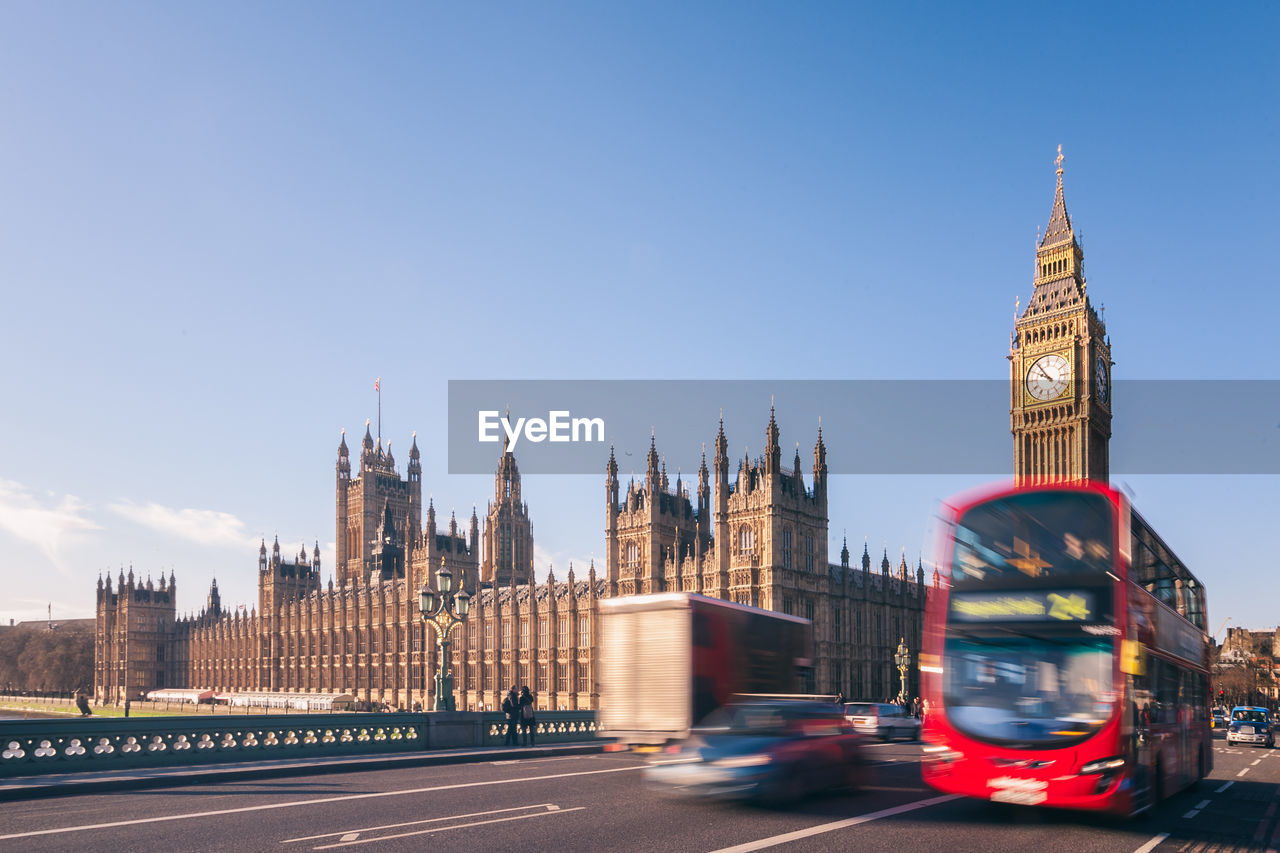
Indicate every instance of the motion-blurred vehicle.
{"type": "Point", "coordinates": [670, 659]}
{"type": "Point", "coordinates": [1219, 719]}
{"type": "Point", "coordinates": [883, 720]}
{"type": "Point", "coordinates": [1065, 660]}
{"type": "Point", "coordinates": [1251, 724]}
{"type": "Point", "coordinates": [771, 752]}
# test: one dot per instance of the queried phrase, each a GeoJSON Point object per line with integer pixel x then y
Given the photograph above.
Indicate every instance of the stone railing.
{"type": "Point", "coordinates": [549, 727]}
{"type": "Point", "coordinates": [29, 747]}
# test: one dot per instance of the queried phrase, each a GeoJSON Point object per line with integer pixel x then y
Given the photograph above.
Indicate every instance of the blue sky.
{"type": "Point", "coordinates": [221, 222]}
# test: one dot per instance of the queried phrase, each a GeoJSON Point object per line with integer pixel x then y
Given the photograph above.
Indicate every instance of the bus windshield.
{"type": "Point", "coordinates": [1028, 692]}
{"type": "Point", "coordinates": [1035, 534]}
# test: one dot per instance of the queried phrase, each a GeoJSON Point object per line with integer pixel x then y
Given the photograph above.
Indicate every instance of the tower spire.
{"type": "Point", "coordinates": [1059, 228]}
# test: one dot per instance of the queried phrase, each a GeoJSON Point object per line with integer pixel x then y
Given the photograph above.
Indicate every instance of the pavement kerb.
{"type": "Point", "coordinates": [56, 785]}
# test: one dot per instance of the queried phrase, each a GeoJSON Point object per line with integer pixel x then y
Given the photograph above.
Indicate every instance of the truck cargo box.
{"type": "Point", "coordinates": [668, 660]}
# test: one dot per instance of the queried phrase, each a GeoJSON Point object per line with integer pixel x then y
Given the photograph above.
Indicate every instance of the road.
{"type": "Point", "coordinates": [596, 802]}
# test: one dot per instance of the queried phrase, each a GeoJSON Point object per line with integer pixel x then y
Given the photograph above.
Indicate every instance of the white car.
{"type": "Point", "coordinates": [883, 720]}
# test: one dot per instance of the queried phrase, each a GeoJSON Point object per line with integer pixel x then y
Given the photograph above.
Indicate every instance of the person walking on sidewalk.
{"type": "Point", "coordinates": [528, 721]}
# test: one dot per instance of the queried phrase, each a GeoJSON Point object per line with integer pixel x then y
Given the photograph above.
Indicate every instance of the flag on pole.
{"type": "Point", "coordinates": [377, 384]}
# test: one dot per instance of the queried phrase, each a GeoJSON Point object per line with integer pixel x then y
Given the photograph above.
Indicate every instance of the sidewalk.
{"type": "Point", "coordinates": [59, 784]}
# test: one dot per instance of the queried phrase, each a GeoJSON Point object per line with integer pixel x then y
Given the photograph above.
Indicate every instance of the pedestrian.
{"type": "Point", "coordinates": [915, 707]}
{"type": "Point", "coordinates": [839, 697]}
{"type": "Point", "coordinates": [82, 702]}
{"type": "Point", "coordinates": [126, 707]}
{"type": "Point", "coordinates": [511, 707]}
{"type": "Point", "coordinates": [528, 722]}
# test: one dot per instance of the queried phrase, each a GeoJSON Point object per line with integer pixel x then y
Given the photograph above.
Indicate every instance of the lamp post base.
{"type": "Point", "coordinates": [444, 682]}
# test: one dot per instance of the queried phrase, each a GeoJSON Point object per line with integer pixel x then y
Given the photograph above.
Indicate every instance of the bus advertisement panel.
{"type": "Point", "coordinates": [1061, 665]}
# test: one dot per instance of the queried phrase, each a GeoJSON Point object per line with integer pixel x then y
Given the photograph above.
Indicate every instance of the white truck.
{"type": "Point", "coordinates": [669, 659]}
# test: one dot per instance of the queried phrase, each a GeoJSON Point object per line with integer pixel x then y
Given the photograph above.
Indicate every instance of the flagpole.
{"type": "Point", "coordinates": [377, 386]}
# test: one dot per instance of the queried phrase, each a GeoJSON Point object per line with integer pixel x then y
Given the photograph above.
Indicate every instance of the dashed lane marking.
{"type": "Point", "coordinates": [1224, 787]}
{"type": "Point", "coordinates": [775, 840]}
{"type": "Point", "coordinates": [1196, 810]}
{"type": "Point", "coordinates": [447, 828]}
{"type": "Point", "coordinates": [1242, 772]}
{"type": "Point", "coordinates": [356, 832]}
{"type": "Point", "coordinates": [1152, 844]}
{"type": "Point", "coordinates": [347, 838]}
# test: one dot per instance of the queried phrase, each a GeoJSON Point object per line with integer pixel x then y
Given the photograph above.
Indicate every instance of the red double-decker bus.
{"type": "Point", "coordinates": [1065, 659]}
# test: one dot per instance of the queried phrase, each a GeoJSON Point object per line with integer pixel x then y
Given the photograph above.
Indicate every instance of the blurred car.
{"type": "Point", "coordinates": [1251, 724]}
{"type": "Point", "coordinates": [769, 751]}
{"type": "Point", "coordinates": [1219, 720]}
{"type": "Point", "coordinates": [883, 720]}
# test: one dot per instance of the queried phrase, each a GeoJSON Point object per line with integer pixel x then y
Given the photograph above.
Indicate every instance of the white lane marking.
{"type": "Point", "coordinates": [1224, 787]}
{"type": "Point", "coordinates": [318, 801]}
{"type": "Point", "coordinates": [1242, 772]}
{"type": "Point", "coordinates": [1152, 844]}
{"type": "Point", "coordinates": [1256, 762]}
{"type": "Point", "coordinates": [546, 806]}
{"type": "Point", "coordinates": [351, 836]}
{"type": "Point", "coordinates": [447, 828]}
{"type": "Point", "coordinates": [1200, 805]}
{"type": "Point", "coordinates": [785, 838]}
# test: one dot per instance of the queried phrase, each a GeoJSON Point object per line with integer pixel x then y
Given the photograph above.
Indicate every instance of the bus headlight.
{"type": "Point", "coordinates": [941, 752]}
{"type": "Point", "coordinates": [1102, 766]}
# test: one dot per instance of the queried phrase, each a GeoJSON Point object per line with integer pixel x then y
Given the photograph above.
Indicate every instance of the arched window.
{"type": "Point", "coordinates": [746, 540]}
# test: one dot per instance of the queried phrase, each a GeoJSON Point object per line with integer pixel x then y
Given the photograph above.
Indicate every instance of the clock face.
{"type": "Point", "coordinates": [1048, 377]}
{"type": "Point", "coordinates": [1100, 379]}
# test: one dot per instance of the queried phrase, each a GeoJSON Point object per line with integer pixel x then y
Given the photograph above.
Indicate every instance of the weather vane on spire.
{"type": "Point", "coordinates": [1057, 161]}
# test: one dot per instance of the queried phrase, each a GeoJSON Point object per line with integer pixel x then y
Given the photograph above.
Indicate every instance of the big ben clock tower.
{"type": "Point", "coordinates": [1060, 367]}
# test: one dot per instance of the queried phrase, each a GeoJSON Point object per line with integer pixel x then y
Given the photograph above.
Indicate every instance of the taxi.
{"type": "Point", "coordinates": [1251, 724]}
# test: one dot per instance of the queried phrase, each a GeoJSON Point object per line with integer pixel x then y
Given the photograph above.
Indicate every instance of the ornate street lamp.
{"type": "Point", "coordinates": [438, 610]}
{"type": "Point", "coordinates": [903, 660]}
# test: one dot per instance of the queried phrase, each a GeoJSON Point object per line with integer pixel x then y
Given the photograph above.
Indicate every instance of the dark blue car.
{"type": "Point", "coordinates": [769, 751]}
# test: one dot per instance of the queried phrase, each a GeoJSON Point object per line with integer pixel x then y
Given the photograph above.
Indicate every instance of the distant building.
{"type": "Point", "coordinates": [363, 634]}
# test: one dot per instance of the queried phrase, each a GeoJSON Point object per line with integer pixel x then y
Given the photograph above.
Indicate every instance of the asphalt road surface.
{"type": "Point", "coordinates": [596, 802]}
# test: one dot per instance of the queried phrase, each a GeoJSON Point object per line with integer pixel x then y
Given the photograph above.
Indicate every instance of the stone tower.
{"type": "Point", "coordinates": [508, 532]}
{"type": "Point", "coordinates": [775, 529]}
{"type": "Point", "coordinates": [652, 524]}
{"type": "Point", "coordinates": [133, 641]}
{"type": "Point", "coordinates": [362, 502]}
{"type": "Point", "coordinates": [1060, 366]}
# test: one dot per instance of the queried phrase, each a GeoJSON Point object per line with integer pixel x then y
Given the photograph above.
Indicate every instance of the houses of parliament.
{"type": "Point", "coordinates": [755, 532]}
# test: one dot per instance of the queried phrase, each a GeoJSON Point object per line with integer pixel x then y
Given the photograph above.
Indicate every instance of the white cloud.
{"type": "Point", "coordinates": [49, 526]}
{"type": "Point", "coordinates": [202, 526]}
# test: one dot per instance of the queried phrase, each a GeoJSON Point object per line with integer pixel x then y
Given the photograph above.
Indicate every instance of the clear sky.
{"type": "Point", "coordinates": [220, 222]}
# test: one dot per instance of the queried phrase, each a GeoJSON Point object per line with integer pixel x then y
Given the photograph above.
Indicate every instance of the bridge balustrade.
{"type": "Point", "coordinates": [39, 746]}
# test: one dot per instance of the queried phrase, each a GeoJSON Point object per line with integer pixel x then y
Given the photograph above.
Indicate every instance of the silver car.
{"type": "Point", "coordinates": [883, 720]}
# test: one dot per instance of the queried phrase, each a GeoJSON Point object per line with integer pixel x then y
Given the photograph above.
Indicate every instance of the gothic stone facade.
{"type": "Point", "coordinates": [764, 542]}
